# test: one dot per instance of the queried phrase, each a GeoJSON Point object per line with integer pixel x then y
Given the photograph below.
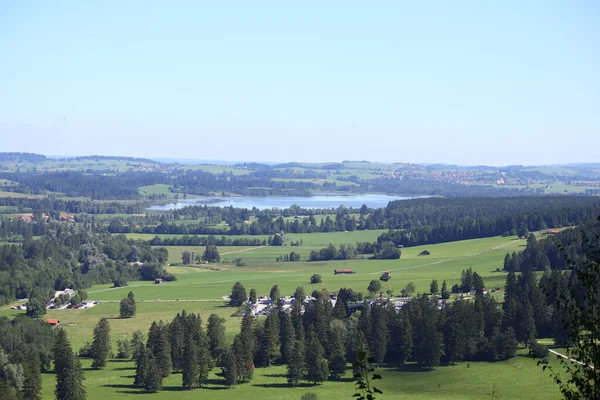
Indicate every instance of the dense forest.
{"type": "Point", "coordinates": [68, 256]}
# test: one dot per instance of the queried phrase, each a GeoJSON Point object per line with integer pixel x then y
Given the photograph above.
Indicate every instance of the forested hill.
{"type": "Point", "coordinates": [477, 218]}
{"type": "Point", "coordinates": [69, 257]}
{"type": "Point", "coordinates": [553, 252]}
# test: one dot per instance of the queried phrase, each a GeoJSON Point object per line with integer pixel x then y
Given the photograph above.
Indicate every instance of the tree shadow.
{"type": "Point", "coordinates": [133, 392]}
{"type": "Point", "coordinates": [128, 376]}
{"type": "Point", "coordinates": [346, 379]}
{"type": "Point", "coordinates": [276, 375]}
{"type": "Point", "coordinates": [119, 360]}
{"type": "Point", "coordinates": [173, 388]}
{"type": "Point", "coordinates": [120, 386]}
{"type": "Point", "coordinates": [282, 385]}
{"type": "Point", "coordinates": [411, 368]}
{"type": "Point", "coordinates": [124, 369]}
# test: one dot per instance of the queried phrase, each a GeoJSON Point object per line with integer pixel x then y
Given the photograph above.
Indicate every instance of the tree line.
{"type": "Point", "coordinates": [71, 257]}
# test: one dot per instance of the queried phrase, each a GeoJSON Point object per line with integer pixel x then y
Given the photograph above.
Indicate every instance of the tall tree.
{"type": "Point", "coordinates": [69, 375]}
{"type": "Point", "coordinates": [252, 298]}
{"type": "Point", "coordinates": [158, 342]}
{"type": "Point", "coordinates": [215, 330]}
{"type": "Point", "coordinates": [380, 335]}
{"type": "Point", "coordinates": [337, 364]}
{"type": "Point", "coordinates": [141, 367]}
{"type": "Point", "coordinates": [211, 254]}
{"type": "Point", "coordinates": [190, 371]}
{"type": "Point", "coordinates": [230, 368]}
{"type": "Point", "coordinates": [127, 307]}
{"type": "Point", "coordinates": [433, 287]}
{"type": "Point", "coordinates": [101, 344]}
{"type": "Point", "coordinates": [275, 295]}
{"type": "Point", "coordinates": [238, 295]}
{"type": "Point", "coordinates": [137, 344]}
{"type": "Point", "coordinates": [36, 307]}
{"type": "Point", "coordinates": [296, 368]}
{"type": "Point", "coordinates": [286, 336]}
{"type": "Point", "coordinates": [317, 369]}
{"type": "Point", "coordinates": [154, 375]}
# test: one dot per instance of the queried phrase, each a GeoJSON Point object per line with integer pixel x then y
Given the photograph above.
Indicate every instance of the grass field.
{"type": "Point", "coordinates": [518, 378]}
{"type": "Point", "coordinates": [16, 195]}
{"type": "Point", "coordinates": [199, 289]}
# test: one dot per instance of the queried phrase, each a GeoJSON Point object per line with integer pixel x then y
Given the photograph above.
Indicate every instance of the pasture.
{"type": "Point", "coordinates": [518, 378]}
{"type": "Point", "coordinates": [200, 288]}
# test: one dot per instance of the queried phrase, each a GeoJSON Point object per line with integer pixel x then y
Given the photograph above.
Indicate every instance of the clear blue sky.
{"type": "Point", "coordinates": [468, 82]}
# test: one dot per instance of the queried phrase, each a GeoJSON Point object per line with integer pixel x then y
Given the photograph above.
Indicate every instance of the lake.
{"type": "Point", "coordinates": [267, 202]}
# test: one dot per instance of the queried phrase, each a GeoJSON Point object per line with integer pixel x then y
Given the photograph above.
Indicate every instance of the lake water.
{"type": "Point", "coordinates": [267, 202]}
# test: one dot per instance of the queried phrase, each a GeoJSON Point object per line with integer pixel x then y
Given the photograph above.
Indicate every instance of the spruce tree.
{"type": "Point", "coordinates": [445, 292]}
{"type": "Point", "coordinates": [215, 331]}
{"type": "Point", "coordinates": [230, 368]}
{"type": "Point", "coordinates": [137, 344]}
{"type": "Point", "coordinates": [154, 375]}
{"type": "Point", "coordinates": [317, 369]}
{"type": "Point", "coordinates": [275, 295]}
{"type": "Point", "coordinates": [337, 365]}
{"type": "Point", "coordinates": [61, 350]}
{"type": "Point", "coordinates": [141, 367]}
{"type": "Point", "coordinates": [380, 336]}
{"type": "Point", "coordinates": [32, 385]}
{"type": "Point", "coordinates": [433, 287]}
{"type": "Point", "coordinates": [190, 369]}
{"type": "Point", "coordinates": [238, 295]}
{"type": "Point", "coordinates": [296, 369]}
{"type": "Point", "coordinates": [271, 338]}
{"type": "Point", "coordinates": [340, 310]}
{"type": "Point", "coordinates": [69, 375]}
{"type": "Point", "coordinates": [286, 337]}
{"type": "Point", "coordinates": [161, 349]}
{"type": "Point", "coordinates": [365, 321]}
{"type": "Point", "coordinates": [252, 298]}
{"type": "Point", "coordinates": [101, 344]}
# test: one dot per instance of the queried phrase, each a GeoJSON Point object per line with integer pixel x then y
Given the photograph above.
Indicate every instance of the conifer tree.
{"type": "Point", "coordinates": [215, 331]}
{"type": "Point", "coordinates": [32, 385]}
{"type": "Point", "coordinates": [154, 375]}
{"type": "Point", "coordinates": [296, 369]}
{"type": "Point", "coordinates": [275, 295]}
{"type": "Point", "coordinates": [230, 368]}
{"type": "Point", "coordinates": [69, 375]}
{"type": "Point", "coordinates": [317, 369]}
{"type": "Point", "coordinates": [141, 367]}
{"type": "Point", "coordinates": [137, 344]}
{"type": "Point", "coordinates": [380, 336]}
{"type": "Point", "coordinates": [158, 342]}
{"type": "Point", "coordinates": [238, 295]}
{"type": "Point", "coordinates": [286, 337]}
{"type": "Point", "coordinates": [252, 297]}
{"type": "Point", "coordinates": [190, 368]}
{"type": "Point", "coordinates": [365, 321]}
{"type": "Point", "coordinates": [445, 292]}
{"type": "Point", "coordinates": [433, 287]}
{"type": "Point", "coordinates": [271, 339]}
{"type": "Point", "coordinates": [101, 344]}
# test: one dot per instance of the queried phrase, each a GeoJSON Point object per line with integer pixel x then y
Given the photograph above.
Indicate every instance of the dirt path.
{"type": "Point", "coordinates": [568, 358]}
{"type": "Point", "coordinates": [241, 251]}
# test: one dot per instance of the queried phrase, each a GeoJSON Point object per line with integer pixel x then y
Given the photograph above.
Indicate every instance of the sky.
{"type": "Point", "coordinates": [461, 82]}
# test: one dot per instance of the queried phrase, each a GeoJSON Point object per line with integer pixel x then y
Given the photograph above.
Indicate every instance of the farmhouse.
{"type": "Point", "coordinates": [158, 281]}
{"type": "Point", "coordinates": [551, 232]}
{"type": "Point", "coordinates": [343, 272]}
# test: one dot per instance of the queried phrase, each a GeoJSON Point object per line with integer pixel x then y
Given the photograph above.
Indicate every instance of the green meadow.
{"type": "Point", "coordinates": [518, 378]}
{"type": "Point", "coordinates": [200, 289]}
